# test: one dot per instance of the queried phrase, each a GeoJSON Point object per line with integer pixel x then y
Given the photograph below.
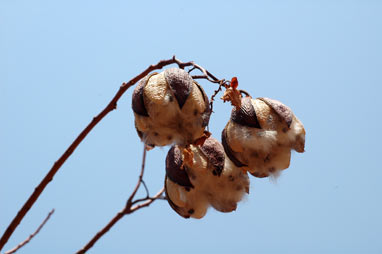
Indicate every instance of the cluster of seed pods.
{"type": "Point", "coordinates": [171, 108]}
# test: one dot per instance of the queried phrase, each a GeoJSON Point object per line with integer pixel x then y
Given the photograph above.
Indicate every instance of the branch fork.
{"type": "Point", "coordinates": [131, 205]}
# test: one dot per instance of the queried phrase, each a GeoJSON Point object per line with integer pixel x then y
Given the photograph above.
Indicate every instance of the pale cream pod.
{"type": "Point", "coordinates": [260, 135]}
{"type": "Point", "coordinates": [170, 108]}
{"type": "Point", "coordinates": [209, 180]}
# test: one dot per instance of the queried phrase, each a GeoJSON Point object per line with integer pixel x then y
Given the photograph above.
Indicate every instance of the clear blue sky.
{"type": "Point", "coordinates": [62, 61]}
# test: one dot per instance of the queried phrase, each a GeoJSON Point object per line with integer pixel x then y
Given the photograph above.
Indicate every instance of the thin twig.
{"type": "Point", "coordinates": [110, 107]}
{"type": "Point", "coordinates": [147, 189]}
{"type": "Point", "coordinates": [223, 83]}
{"type": "Point", "coordinates": [20, 245]}
{"type": "Point", "coordinates": [190, 70]}
{"type": "Point", "coordinates": [128, 207]}
{"type": "Point", "coordinates": [116, 218]}
{"type": "Point", "coordinates": [130, 200]}
{"type": "Point", "coordinates": [147, 203]}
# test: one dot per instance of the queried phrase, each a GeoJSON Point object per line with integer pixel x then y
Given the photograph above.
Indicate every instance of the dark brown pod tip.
{"type": "Point", "coordinates": [207, 112]}
{"type": "Point", "coordinates": [229, 152]}
{"type": "Point", "coordinates": [180, 83]}
{"type": "Point", "coordinates": [177, 209]}
{"type": "Point", "coordinates": [282, 110]}
{"type": "Point", "coordinates": [246, 115]}
{"type": "Point", "coordinates": [138, 103]}
{"type": "Point", "coordinates": [173, 168]}
{"type": "Point", "coordinates": [214, 152]}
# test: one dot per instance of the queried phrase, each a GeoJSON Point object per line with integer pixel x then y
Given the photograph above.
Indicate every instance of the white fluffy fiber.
{"type": "Point", "coordinates": [192, 202]}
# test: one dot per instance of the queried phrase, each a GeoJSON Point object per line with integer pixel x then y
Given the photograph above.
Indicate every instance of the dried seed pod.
{"type": "Point", "coordinates": [260, 135]}
{"type": "Point", "coordinates": [209, 180]}
{"type": "Point", "coordinates": [170, 107]}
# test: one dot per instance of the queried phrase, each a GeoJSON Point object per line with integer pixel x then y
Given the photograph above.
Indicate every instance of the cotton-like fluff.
{"type": "Point", "coordinates": [170, 108]}
{"type": "Point", "coordinates": [260, 135]}
{"type": "Point", "coordinates": [209, 180]}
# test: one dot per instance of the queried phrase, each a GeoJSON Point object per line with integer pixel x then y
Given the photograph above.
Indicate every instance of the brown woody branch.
{"type": "Point", "coordinates": [222, 84]}
{"type": "Point", "coordinates": [128, 209]}
{"type": "Point", "coordinates": [117, 217]}
{"type": "Point", "coordinates": [20, 245]}
{"type": "Point", "coordinates": [110, 107]}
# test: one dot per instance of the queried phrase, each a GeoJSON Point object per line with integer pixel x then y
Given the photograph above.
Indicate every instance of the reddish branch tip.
{"type": "Point", "coordinates": [234, 83]}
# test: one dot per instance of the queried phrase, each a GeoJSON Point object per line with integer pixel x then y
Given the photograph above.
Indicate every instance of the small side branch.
{"type": "Point", "coordinates": [130, 207]}
{"type": "Point", "coordinates": [20, 245]}
{"type": "Point", "coordinates": [130, 200]}
{"type": "Point", "coordinates": [117, 217]}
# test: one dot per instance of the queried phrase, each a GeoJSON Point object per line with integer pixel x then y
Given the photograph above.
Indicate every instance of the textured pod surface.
{"type": "Point", "coordinates": [246, 114]}
{"type": "Point", "coordinates": [214, 151]}
{"type": "Point", "coordinates": [214, 179]}
{"type": "Point", "coordinates": [265, 149]}
{"type": "Point", "coordinates": [138, 104]}
{"type": "Point", "coordinates": [180, 83]}
{"type": "Point", "coordinates": [174, 171]}
{"type": "Point", "coordinates": [170, 107]}
{"type": "Point", "coordinates": [282, 110]}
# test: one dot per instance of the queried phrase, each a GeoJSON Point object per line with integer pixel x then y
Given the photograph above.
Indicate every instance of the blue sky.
{"type": "Point", "coordinates": [62, 61]}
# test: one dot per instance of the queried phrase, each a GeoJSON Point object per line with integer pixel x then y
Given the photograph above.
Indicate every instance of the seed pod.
{"type": "Point", "coordinates": [210, 179]}
{"type": "Point", "coordinates": [260, 135]}
{"type": "Point", "coordinates": [170, 107]}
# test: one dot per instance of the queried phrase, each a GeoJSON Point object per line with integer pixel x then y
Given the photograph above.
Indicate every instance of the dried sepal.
{"type": "Point", "coordinates": [200, 141]}
{"type": "Point", "coordinates": [234, 83]}
{"type": "Point", "coordinates": [232, 94]}
{"type": "Point", "coordinates": [188, 157]}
